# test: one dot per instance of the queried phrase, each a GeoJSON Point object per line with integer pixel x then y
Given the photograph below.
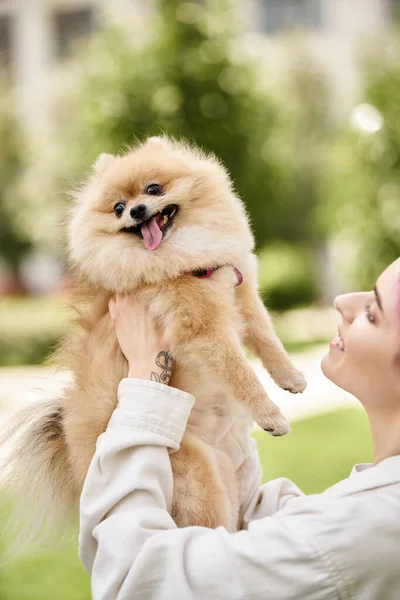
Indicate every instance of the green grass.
{"type": "Point", "coordinates": [320, 451]}
{"type": "Point", "coordinates": [56, 576]}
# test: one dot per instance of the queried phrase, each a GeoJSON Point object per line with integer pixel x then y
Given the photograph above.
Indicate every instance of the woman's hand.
{"type": "Point", "coordinates": [140, 340]}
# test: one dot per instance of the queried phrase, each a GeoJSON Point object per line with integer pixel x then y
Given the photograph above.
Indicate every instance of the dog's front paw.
{"type": "Point", "coordinates": [293, 381]}
{"type": "Point", "coordinates": [275, 424]}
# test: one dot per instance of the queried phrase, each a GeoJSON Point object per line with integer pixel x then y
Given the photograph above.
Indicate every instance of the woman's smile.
{"type": "Point", "coordinates": [337, 343]}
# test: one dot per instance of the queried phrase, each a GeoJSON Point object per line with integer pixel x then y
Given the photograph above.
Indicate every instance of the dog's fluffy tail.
{"type": "Point", "coordinates": [36, 478]}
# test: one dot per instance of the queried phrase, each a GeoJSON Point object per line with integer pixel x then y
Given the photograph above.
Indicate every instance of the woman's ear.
{"type": "Point", "coordinates": [103, 162]}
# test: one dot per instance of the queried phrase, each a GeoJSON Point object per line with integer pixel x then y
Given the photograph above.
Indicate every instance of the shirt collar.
{"type": "Point", "coordinates": [359, 468]}
{"type": "Point", "coordinates": [367, 476]}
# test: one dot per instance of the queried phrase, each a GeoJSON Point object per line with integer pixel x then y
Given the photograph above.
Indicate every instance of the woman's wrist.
{"type": "Point", "coordinates": [142, 350]}
{"type": "Point", "coordinates": [159, 370]}
{"type": "Point", "coordinates": [135, 373]}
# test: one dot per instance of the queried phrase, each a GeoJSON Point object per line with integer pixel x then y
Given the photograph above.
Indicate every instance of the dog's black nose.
{"type": "Point", "coordinates": [138, 212]}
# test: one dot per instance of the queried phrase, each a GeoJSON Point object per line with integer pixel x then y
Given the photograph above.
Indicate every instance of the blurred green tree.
{"type": "Point", "coordinates": [364, 191]}
{"type": "Point", "coordinates": [195, 76]}
{"type": "Point", "coordinates": [303, 139]}
{"type": "Point", "coordinates": [14, 242]}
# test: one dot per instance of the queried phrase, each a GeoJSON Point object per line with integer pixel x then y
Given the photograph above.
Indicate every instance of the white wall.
{"type": "Point", "coordinates": [33, 50]}
{"type": "Point", "coordinates": [31, 45]}
{"type": "Point", "coordinates": [349, 23]}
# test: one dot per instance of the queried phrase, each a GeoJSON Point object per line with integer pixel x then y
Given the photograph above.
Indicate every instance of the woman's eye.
{"type": "Point", "coordinates": [153, 189]}
{"type": "Point", "coordinates": [119, 208]}
{"type": "Point", "coordinates": [369, 314]}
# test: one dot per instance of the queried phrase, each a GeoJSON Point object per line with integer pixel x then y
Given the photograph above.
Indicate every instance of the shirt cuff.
{"type": "Point", "coordinates": [152, 406]}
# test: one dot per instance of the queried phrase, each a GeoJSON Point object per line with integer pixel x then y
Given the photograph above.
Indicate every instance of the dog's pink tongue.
{"type": "Point", "coordinates": [151, 232]}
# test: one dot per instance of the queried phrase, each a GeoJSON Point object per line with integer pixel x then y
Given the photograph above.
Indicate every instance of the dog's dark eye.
{"type": "Point", "coordinates": [119, 208]}
{"type": "Point", "coordinates": [153, 189]}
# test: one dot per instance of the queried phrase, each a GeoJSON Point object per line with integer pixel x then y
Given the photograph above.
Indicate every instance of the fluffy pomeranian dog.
{"type": "Point", "coordinates": [164, 223]}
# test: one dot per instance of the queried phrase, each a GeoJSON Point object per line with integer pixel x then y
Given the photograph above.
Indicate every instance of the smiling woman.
{"type": "Point", "coordinates": [364, 356]}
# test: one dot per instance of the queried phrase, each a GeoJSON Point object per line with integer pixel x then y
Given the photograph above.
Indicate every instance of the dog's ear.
{"type": "Point", "coordinates": [103, 162]}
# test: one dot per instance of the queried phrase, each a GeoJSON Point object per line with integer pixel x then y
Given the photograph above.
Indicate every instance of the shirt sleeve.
{"type": "Point", "coordinates": [131, 546]}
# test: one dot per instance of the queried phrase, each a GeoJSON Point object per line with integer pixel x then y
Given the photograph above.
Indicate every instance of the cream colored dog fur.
{"type": "Point", "coordinates": [206, 321]}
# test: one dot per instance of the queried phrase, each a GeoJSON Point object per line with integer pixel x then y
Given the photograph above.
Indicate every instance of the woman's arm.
{"type": "Point", "coordinates": [131, 546]}
{"type": "Point", "coordinates": [128, 541]}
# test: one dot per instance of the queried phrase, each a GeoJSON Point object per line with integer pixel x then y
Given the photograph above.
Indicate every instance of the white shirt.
{"type": "Point", "coordinates": [341, 544]}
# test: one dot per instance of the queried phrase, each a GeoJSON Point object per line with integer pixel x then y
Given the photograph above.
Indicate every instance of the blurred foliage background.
{"type": "Point", "coordinates": [321, 185]}
{"type": "Point", "coordinates": [307, 176]}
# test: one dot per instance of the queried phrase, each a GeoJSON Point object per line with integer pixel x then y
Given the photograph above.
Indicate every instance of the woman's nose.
{"type": "Point", "coordinates": [345, 306]}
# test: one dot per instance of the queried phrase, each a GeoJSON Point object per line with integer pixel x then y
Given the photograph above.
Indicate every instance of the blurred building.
{"type": "Point", "coordinates": [35, 34]}
{"type": "Point", "coordinates": [336, 31]}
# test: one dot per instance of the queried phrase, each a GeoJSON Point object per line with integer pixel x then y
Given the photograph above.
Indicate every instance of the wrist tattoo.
{"type": "Point", "coordinates": [165, 361]}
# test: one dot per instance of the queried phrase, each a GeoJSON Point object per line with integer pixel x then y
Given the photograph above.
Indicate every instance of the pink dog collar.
{"type": "Point", "coordinates": [205, 273]}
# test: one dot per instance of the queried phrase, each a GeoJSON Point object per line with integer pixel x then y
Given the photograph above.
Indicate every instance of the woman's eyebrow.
{"type": "Point", "coordinates": [378, 299]}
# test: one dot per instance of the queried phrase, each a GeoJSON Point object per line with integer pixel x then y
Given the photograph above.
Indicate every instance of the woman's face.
{"type": "Point", "coordinates": [364, 358]}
